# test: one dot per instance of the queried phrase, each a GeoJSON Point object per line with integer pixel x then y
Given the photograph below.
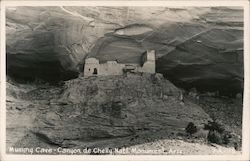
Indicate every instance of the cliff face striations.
{"type": "Point", "coordinates": [93, 111]}
{"type": "Point", "coordinates": [195, 47]}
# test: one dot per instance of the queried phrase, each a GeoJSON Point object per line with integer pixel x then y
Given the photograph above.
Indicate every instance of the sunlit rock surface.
{"type": "Point", "coordinates": [103, 112]}
{"type": "Point", "coordinates": [195, 47]}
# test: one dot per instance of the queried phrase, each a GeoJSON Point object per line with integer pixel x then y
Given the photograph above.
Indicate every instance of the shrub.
{"type": "Point", "coordinates": [217, 134]}
{"type": "Point", "coordinates": [215, 137]}
{"type": "Point", "coordinates": [191, 128]}
{"type": "Point", "coordinates": [214, 126]}
{"type": "Point", "coordinates": [227, 138]}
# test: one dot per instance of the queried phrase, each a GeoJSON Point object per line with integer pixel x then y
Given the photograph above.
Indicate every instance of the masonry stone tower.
{"type": "Point", "coordinates": [149, 61]}
{"type": "Point", "coordinates": [92, 67]}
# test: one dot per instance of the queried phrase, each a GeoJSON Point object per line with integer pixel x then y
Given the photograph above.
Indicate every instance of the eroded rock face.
{"type": "Point", "coordinates": [195, 47]}
{"type": "Point", "coordinates": [203, 62]}
{"type": "Point", "coordinates": [115, 107]}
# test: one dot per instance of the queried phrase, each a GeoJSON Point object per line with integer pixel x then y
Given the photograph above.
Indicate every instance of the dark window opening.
{"type": "Point", "coordinates": [95, 71]}
{"type": "Point", "coordinates": [89, 69]}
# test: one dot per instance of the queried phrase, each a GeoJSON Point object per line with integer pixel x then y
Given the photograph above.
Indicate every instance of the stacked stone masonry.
{"type": "Point", "coordinates": [92, 66]}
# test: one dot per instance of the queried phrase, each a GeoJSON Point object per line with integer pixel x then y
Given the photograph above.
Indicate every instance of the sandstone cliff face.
{"type": "Point", "coordinates": [93, 111]}
{"type": "Point", "coordinates": [109, 107]}
{"type": "Point", "coordinates": [193, 45]}
{"type": "Point", "coordinates": [135, 110]}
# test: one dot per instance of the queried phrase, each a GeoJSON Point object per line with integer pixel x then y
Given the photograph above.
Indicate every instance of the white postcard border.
{"type": "Point", "coordinates": [246, 105]}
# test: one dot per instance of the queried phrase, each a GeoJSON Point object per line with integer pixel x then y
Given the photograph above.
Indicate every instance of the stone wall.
{"type": "Point", "coordinates": [111, 68]}
{"type": "Point", "coordinates": [148, 67]}
{"type": "Point", "coordinates": [148, 62]}
{"type": "Point", "coordinates": [93, 67]}
{"type": "Point", "coordinates": [90, 65]}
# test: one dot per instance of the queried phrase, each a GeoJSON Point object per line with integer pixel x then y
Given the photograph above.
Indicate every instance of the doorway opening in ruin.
{"type": "Point", "coordinates": [95, 71]}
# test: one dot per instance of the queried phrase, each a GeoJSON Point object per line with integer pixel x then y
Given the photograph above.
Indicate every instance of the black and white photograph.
{"type": "Point", "coordinates": [124, 80]}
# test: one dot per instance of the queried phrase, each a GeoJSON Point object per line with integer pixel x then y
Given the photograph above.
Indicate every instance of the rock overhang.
{"type": "Point", "coordinates": [192, 45]}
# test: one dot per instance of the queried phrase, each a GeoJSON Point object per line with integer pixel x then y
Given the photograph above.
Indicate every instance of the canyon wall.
{"type": "Point", "coordinates": [198, 47]}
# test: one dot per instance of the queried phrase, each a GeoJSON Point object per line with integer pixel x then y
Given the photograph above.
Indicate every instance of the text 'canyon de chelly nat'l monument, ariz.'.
{"type": "Point", "coordinates": [92, 66]}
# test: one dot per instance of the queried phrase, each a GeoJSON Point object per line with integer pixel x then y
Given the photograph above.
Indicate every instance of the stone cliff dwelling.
{"type": "Point", "coordinates": [92, 66]}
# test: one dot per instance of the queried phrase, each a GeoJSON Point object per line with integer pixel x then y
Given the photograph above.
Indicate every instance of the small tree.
{"type": "Point", "coordinates": [191, 128]}
{"type": "Point", "coordinates": [215, 137]}
{"type": "Point", "coordinates": [214, 126]}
